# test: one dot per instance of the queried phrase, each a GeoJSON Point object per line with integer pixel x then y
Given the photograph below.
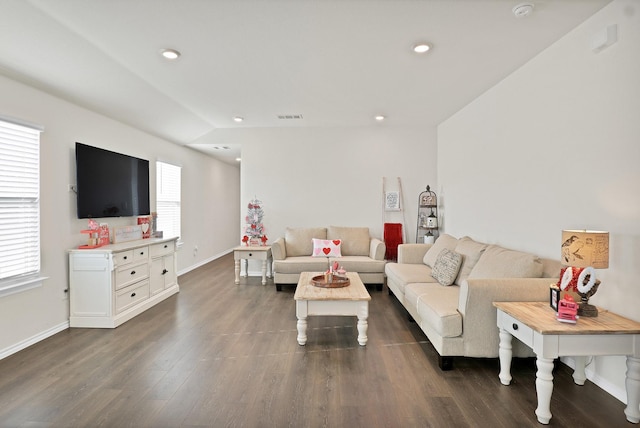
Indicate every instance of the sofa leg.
{"type": "Point", "coordinates": [278, 287]}
{"type": "Point", "coordinates": [379, 287]}
{"type": "Point", "coordinates": [389, 291]}
{"type": "Point", "coordinates": [445, 363]}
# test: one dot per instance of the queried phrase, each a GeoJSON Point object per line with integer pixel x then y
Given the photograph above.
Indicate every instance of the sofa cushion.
{"type": "Point", "coordinates": [402, 274]}
{"type": "Point", "coordinates": [498, 262]}
{"type": "Point", "coordinates": [301, 264]}
{"type": "Point", "coordinates": [438, 307]}
{"type": "Point", "coordinates": [471, 252]}
{"type": "Point", "coordinates": [326, 248]}
{"type": "Point", "coordinates": [361, 264]}
{"type": "Point", "coordinates": [446, 267]}
{"type": "Point", "coordinates": [355, 240]}
{"type": "Point", "coordinates": [443, 241]}
{"type": "Point", "coordinates": [299, 240]}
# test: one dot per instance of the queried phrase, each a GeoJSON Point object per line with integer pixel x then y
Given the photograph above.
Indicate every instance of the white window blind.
{"type": "Point", "coordinates": [168, 198]}
{"type": "Point", "coordinates": [19, 203]}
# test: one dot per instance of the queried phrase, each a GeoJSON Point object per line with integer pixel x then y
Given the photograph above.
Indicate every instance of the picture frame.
{"type": "Point", "coordinates": [392, 201]}
{"type": "Point", "coordinates": [554, 298]}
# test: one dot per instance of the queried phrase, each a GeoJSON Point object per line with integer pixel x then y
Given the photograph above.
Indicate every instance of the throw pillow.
{"type": "Point", "coordinates": [445, 269]}
{"type": "Point", "coordinates": [326, 248]}
{"type": "Point", "coordinates": [443, 241]}
{"type": "Point", "coordinates": [471, 252]}
{"type": "Point", "coordinates": [499, 262]}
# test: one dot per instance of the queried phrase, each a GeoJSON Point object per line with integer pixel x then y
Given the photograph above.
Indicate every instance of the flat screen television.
{"type": "Point", "coordinates": [110, 184]}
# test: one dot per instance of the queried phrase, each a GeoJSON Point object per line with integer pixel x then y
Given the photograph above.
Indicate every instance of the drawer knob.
{"type": "Point", "coordinates": [515, 326]}
{"type": "Point", "coordinates": [133, 294]}
{"type": "Point", "coordinates": [133, 272]}
{"type": "Point", "coordinates": [166, 246]}
{"type": "Point", "coordinates": [250, 255]}
{"type": "Point", "coordinates": [125, 257]}
{"type": "Point", "coordinates": [164, 271]}
{"type": "Point", "coordinates": [142, 253]}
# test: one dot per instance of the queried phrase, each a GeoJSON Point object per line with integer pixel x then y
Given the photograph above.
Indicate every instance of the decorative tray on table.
{"type": "Point", "coordinates": [336, 282]}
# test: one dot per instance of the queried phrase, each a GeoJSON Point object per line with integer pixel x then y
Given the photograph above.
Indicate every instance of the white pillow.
{"type": "Point", "coordinates": [446, 267]}
{"type": "Point", "coordinates": [326, 247]}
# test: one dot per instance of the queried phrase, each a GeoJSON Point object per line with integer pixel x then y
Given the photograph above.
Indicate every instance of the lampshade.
{"type": "Point", "coordinates": [584, 248]}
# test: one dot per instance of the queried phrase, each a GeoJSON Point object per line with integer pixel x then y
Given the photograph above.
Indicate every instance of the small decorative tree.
{"type": "Point", "coordinates": [254, 228]}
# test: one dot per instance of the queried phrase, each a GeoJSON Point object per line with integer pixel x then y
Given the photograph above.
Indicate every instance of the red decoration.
{"type": "Point", "coordinates": [145, 224]}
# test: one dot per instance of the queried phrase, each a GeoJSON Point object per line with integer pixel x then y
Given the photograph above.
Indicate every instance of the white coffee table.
{"type": "Point", "coordinates": [352, 300]}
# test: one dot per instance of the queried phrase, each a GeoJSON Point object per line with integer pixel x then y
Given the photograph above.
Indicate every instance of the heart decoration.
{"type": "Point", "coordinates": [326, 250]}
{"type": "Point", "coordinates": [145, 227]}
{"type": "Point", "coordinates": [336, 242]}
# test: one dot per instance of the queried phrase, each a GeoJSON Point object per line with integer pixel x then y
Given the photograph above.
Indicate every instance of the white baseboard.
{"type": "Point", "coordinates": [204, 262]}
{"type": "Point", "coordinates": [601, 382]}
{"type": "Point", "coordinates": [33, 340]}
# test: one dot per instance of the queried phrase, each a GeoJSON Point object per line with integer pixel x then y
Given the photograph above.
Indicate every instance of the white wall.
{"type": "Point", "coordinates": [333, 176]}
{"type": "Point", "coordinates": [555, 146]}
{"type": "Point", "coordinates": [207, 222]}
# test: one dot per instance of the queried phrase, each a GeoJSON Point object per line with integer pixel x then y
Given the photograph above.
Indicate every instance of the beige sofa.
{"type": "Point", "coordinates": [460, 319]}
{"type": "Point", "coordinates": [293, 254]}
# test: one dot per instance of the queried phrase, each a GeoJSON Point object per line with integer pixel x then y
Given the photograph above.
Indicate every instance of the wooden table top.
{"type": "Point", "coordinates": [354, 291]}
{"type": "Point", "coordinates": [541, 318]}
{"type": "Point", "coordinates": [254, 248]}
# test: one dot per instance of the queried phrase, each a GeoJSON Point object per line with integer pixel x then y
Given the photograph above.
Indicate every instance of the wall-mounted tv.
{"type": "Point", "coordinates": [110, 184]}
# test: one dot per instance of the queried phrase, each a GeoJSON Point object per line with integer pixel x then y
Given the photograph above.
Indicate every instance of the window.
{"type": "Point", "coordinates": [168, 198]}
{"type": "Point", "coordinates": [19, 206]}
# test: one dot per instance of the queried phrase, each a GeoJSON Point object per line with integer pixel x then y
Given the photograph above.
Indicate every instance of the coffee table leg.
{"type": "Point", "coordinates": [505, 353]}
{"type": "Point", "coordinates": [302, 331]}
{"type": "Point", "coordinates": [302, 312]}
{"type": "Point", "coordinates": [363, 324]}
{"type": "Point", "coordinates": [544, 388]}
{"type": "Point", "coordinates": [237, 271]}
{"type": "Point", "coordinates": [633, 390]}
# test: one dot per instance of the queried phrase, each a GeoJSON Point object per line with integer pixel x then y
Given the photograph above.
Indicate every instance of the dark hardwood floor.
{"type": "Point", "coordinates": [225, 355]}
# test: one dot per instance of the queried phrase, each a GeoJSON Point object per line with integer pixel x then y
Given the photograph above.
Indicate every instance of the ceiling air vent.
{"type": "Point", "coordinates": [289, 116]}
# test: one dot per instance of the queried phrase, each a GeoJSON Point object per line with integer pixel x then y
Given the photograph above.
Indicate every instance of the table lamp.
{"type": "Point", "coordinates": [584, 251]}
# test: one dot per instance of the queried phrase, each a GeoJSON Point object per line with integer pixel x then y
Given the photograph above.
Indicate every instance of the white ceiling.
{"type": "Point", "coordinates": [335, 62]}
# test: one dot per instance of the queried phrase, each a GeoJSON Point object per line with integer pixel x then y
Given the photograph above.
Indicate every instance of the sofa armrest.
{"type": "Point", "coordinates": [412, 253]}
{"type": "Point", "coordinates": [479, 316]}
{"type": "Point", "coordinates": [377, 249]}
{"type": "Point", "coordinates": [279, 249]}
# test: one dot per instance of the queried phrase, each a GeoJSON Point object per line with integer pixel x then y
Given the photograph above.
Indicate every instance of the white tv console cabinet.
{"type": "Point", "coordinates": [110, 285]}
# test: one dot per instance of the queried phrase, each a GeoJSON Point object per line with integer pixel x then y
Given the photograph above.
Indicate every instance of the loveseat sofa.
{"type": "Point", "coordinates": [313, 249]}
{"type": "Point", "coordinates": [449, 287]}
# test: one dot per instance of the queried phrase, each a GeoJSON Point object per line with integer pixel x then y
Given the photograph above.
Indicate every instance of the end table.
{"type": "Point", "coordinates": [253, 253]}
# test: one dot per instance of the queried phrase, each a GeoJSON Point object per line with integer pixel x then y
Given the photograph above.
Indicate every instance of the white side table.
{"type": "Point", "coordinates": [253, 253]}
{"type": "Point", "coordinates": [535, 325]}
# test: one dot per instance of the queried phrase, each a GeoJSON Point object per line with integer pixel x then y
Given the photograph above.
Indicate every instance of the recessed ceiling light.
{"type": "Point", "coordinates": [170, 53]}
{"type": "Point", "coordinates": [522, 10]}
{"type": "Point", "coordinates": [421, 48]}
{"type": "Point", "coordinates": [238, 159]}
{"type": "Point", "coordinates": [380, 118]}
{"type": "Point", "coordinates": [238, 119]}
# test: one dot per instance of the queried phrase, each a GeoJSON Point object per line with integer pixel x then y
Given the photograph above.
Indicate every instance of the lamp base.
{"type": "Point", "coordinates": [587, 310]}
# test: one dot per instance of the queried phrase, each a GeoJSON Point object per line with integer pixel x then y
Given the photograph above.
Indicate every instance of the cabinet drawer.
{"type": "Point", "coordinates": [123, 258]}
{"type": "Point", "coordinates": [517, 329]}
{"type": "Point", "coordinates": [130, 296]}
{"type": "Point", "coordinates": [163, 248]}
{"type": "Point", "coordinates": [141, 253]}
{"type": "Point", "coordinates": [126, 275]}
{"type": "Point", "coordinates": [251, 255]}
